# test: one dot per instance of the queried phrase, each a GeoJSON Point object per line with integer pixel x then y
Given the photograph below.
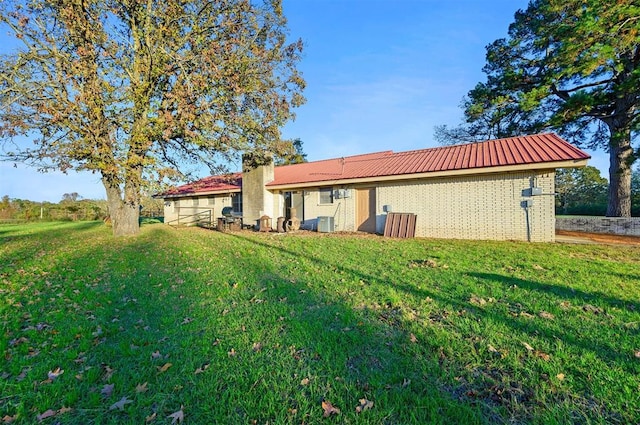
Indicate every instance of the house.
{"type": "Point", "coordinates": [498, 189]}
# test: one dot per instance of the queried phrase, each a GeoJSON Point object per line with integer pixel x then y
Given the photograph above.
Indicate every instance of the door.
{"type": "Point", "coordinates": [366, 210]}
{"type": "Point", "coordinates": [294, 200]}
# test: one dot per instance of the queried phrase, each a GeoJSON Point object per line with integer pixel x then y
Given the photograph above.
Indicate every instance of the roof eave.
{"type": "Point", "coordinates": [192, 194]}
{"type": "Point", "coordinates": [573, 163]}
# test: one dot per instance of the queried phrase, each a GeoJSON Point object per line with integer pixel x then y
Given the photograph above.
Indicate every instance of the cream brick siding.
{"type": "Point", "coordinates": [181, 211]}
{"type": "Point", "coordinates": [342, 209]}
{"type": "Point", "coordinates": [471, 207]}
{"type": "Point", "coordinates": [477, 207]}
{"type": "Point", "coordinates": [314, 209]}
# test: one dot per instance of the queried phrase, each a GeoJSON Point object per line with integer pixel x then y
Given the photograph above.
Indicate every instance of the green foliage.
{"type": "Point", "coordinates": [269, 326]}
{"type": "Point", "coordinates": [136, 91]}
{"type": "Point", "coordinates": [295, 156]}
{"type": "Point", "coordinates": [68, 209]}
{"type": "Point", "coordinates": [581, 191]}
{"type": "Point", "coordinates": [635, 192]}
{"type": "Point", "coordinates": [572, 66]}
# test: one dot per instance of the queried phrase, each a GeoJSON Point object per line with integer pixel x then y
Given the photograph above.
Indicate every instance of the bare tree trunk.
{"type": "Point", "coordinates": [620, 161]}
{"type": "Point", "coordinates": [124, 213]}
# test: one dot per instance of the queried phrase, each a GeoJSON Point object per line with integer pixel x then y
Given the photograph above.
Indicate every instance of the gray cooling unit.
{"type": "Point", "coordinates": [325, 224]}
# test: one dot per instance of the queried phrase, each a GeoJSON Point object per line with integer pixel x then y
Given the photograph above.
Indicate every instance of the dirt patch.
{"type": "Point", "coordinates": [602, 237]}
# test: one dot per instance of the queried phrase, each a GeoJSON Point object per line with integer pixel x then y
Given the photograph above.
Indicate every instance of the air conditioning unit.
{"type": "Point", "coordinates": [325, 224]}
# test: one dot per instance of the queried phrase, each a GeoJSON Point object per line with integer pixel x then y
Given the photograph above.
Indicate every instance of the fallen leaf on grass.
{"type": "Point", "coordinates": [592, 309]}
{"type": "Point", "coordinates": [150, 418]}
{"type": "Point", "coordinates": [477, 300]}
{"type": "Point", "coordinates": [18, 341]}
{"type": "Point", "coordinates": [257, 346]}
{"type": "Point", "coordinates": [46, 414]}
{"type": "Point", "coordinates": [120, 404]}
{"type": "Point", "coordinates": [156, 355]}
{"type": "Point", "coordinates": [232, 353]}
{"type": "Point", "coordinates": [546, 315]}
{"type": "Point", "coordinates": [560, 376]}
{"type": "Point", "coordinates": [637, 354]}
{"type": "Point", "coordinates": [544, 356]}
{"type": "Point", "coordinates": [49, 413]}
{"type": "Point", "coordinates": [305, 382]}
{"type": "Point", "coordinates": [6, 419]}
{"type": "Point", "coordinates": [55, 373]}
{"type": "Point", "coordinates": [527, 346]}
{"type": "Point", "coordinates": [164, 367]}
{"type": "Point", "coordinates": [494, 351]}
{"type": "Point", "coordinates": [329, 409]}
{"type": "Point", "coordinates": [22, 375]}
{"type": "Point", "coordinates": [177, 417]}
{"type": "Point", "coordinates": [107, 390]}
{"type": "Point", "coordinates": [186, 320]}
{"type": "Point", "coordinates": [202, 368]}
{"type": "Point", "coordinates": [108, 372]}
{"type": "Point", "coordinates": [142, 388]}
{"type": "Point", "coordinates": [364, 405]}
{"type": "Point", "coordinates": [413, 338]}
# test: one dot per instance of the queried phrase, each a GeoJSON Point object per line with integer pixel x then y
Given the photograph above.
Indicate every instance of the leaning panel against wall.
{"type": "Point", "coordinates": [491, 206]}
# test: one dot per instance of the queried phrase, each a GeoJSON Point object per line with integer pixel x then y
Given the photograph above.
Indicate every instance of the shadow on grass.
{"type": "Point", "coordinates": [107, 308]}
{"type": "Point", "coordinates": [559, 291]}
{"type": "Point", "coordinates": [548, 331]}
{"type": "Point", "coordinates": [209, 305]}
{"type": "Point", "coordinates": [599, 348]}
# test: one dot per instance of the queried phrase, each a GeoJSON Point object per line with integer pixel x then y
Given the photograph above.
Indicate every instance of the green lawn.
{"type": "Point", "coordinates": [252, 328]}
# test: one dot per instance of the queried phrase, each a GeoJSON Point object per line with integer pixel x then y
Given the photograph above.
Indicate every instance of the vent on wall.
{"type": "Point", "coordinates": [325, 224]}
{"type": "Point", "coordinates": [342, 193]}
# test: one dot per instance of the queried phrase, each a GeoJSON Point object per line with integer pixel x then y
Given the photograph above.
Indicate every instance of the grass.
{"type": "Point", "coordinates": [251, 328]}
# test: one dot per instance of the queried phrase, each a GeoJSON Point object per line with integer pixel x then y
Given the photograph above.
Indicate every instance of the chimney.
{"type": "Point", "coordinates": [257, 171]}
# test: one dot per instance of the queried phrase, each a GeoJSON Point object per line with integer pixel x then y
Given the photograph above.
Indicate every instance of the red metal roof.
{"type": "Point", "coordinates": [212, 184]}
{"type": "Point", "coordinates": [524, 150]}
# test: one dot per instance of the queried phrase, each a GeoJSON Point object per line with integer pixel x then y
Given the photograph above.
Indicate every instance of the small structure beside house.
{"type": "Point", "coordinates": [499, 189]}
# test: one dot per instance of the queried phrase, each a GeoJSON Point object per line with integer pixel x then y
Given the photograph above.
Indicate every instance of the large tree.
{"type": "Point", "coordinates": [135, 90]}
{"type": "Point", "coordinates": [572, 66]}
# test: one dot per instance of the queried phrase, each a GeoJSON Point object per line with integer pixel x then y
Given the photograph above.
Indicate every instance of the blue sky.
{"type": "Point", "coordinates": [380, 75]}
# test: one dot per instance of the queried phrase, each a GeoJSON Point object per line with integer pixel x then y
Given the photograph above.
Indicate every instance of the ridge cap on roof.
{"type": "Point", "coordinates": [346, 158]}
{"type": "Point", "coordinates": [481, 142]}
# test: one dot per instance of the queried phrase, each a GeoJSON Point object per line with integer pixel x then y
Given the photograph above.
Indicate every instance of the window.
{"type": "Point", "coordinates": [236, 202]}
{"type": "Point", "coordinates": [326, 196]}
